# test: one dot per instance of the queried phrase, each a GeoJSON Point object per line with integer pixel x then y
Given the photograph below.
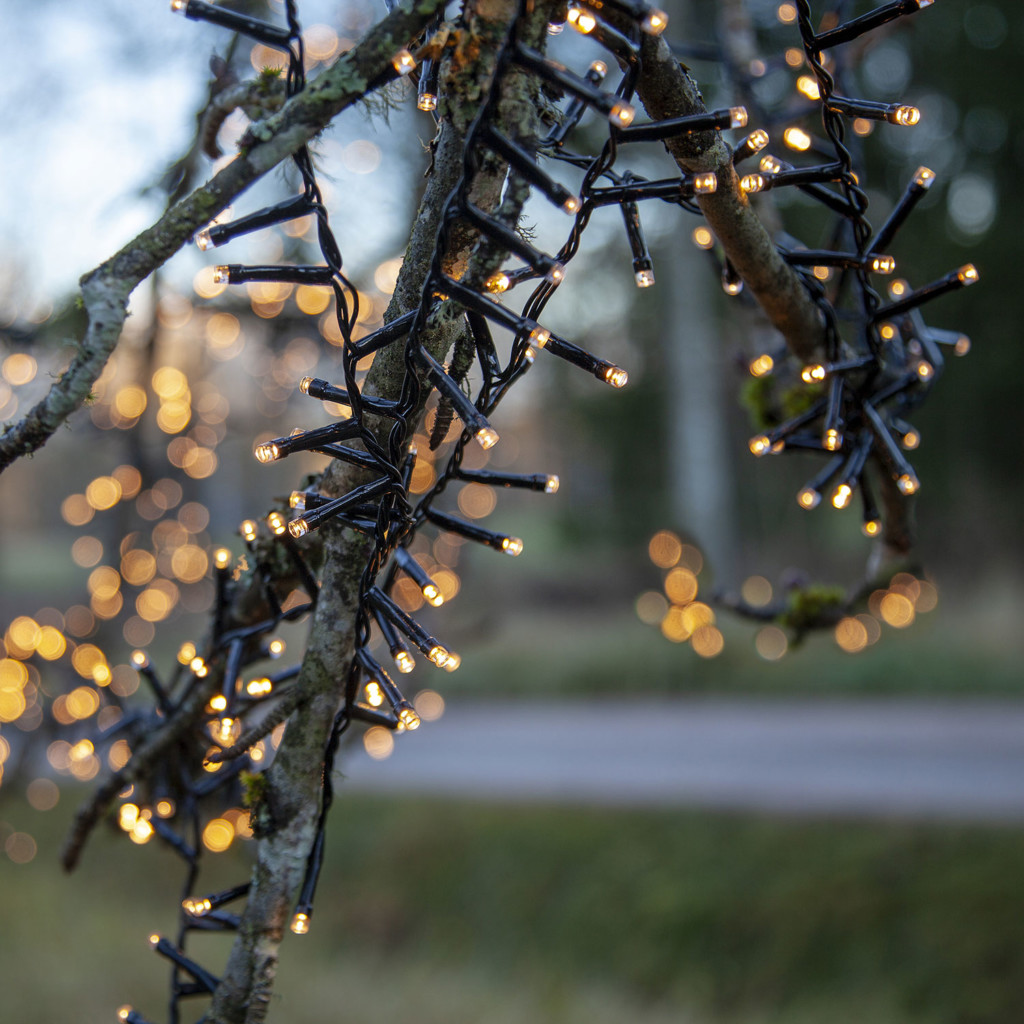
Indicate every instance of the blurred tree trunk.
{"type": "Point", "coordinates": [701, 486]}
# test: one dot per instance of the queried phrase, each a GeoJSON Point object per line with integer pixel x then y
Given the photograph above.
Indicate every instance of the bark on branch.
{"type": "Point", "coordinates": [667, 90]}
{"type": "Point", "coordinates": [106, 289]}
{"type": "Point", "coordinates": [294, 780]}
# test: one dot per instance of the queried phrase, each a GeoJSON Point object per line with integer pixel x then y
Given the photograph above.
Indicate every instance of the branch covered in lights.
{"type": "Point", "coordinates": [106, 289]}
{"type": "Point", "coordinates": [865, 365]}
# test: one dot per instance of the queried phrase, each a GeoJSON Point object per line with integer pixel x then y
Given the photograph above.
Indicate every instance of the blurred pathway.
{"type": "Point", "coordinates": [895, 758]}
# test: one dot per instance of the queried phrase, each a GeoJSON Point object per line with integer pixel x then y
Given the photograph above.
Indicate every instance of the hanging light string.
{"type": "Point", "coordinates": [869, 383]}
{"type": "Point", "coordinates": [886, 359]}
{"type": "Point", "coordinates": [379, 507]}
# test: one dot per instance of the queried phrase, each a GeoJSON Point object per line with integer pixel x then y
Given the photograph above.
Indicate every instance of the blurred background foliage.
{"type": "Point", "coordinates": [106, 533]}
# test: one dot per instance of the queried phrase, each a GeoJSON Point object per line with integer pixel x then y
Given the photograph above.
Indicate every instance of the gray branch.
{"type": "Point", "coordinates": [106, 289]}
{"type": "Point", "coordinates": [294, 780]}
{"type": "Point", "coordinates": [667, 90]}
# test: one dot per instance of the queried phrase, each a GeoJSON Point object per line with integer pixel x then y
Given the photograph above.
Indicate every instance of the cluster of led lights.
{"type": "Point", "coordinates": [856, 421]}
{"type": "Point", "coordinates": [887, 358]}
{"type": "Point", "coordinates": [380, 508]}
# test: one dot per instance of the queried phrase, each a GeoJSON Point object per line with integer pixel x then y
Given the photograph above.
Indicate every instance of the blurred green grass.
{"type": "Point", "coordinates": [606, 651]}
{"type": "Point", "coordinates": [458, 912]}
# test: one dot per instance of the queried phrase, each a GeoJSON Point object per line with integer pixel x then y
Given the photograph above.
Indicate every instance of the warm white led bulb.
{"type": "Point", "coordinates": [497, 283]}
{"type": "Point", "coordinates": [751, 183]}
{"type": "Point", "coordinates": [702, 238]}
{"type": "Point", "coordinates": [758, 139]}
{"type": "Point", "coordinates": [426, 101]}
{"type": "Point", "coordinates": [833, 439]}
{"type": "Point", "coordinates": [622, 115]}
{"type": "Point", "coordinates": [842, 496]}
{"type": "Point", "coordinates": [266, 452]}
{"type": "Point", "coordinates": [300, 924]}
{"type": "Point", "coordinates": [655, 23]}
{"type": "Point", "coordinates": [512, 546]}
{"type": "Point", "coordinates": [409, 719]}
{"type": "Point", "coordinates": [908, 483]}
{"type": "Point", "coordinates": [814, 372]}
{"type": "Point", "coordinates": [737, 117]}
{"type": "Point", "coordinates": [644, 278]}
{"type": "Point", "coordinates": [487, 437]}
{"type": "Point", "coordinates": [221, 275]}
{"type": "Point", "coordinates": [770, 164]}
{"type": "Point", "coordinates": [924, 177]}
{"type": "Point", "coordinates": [581, 20]}
{"type": "Point", "coordinates": [551, 484]}
{"type": "Point", "coordinates": [196, 907]}
{"type": "Point", "coordinates": [571, 205]}
{"type": "Point", "coordinates": [298, 528]}
{"type": "Point", "coordinates": [203, 239]}
{"type": "Point", "coordinates": [797, 138]}
{"type": "Point", "coordinates": [883, 264]}
{"type": "Point", "coordinates": [540, 336]}
{"type": "Point", "coordinates": [759, 445]}
{"type": "Point", "coordinates": [762, 365]}
{"type": "Point", "coordinates": [403, 62]}
{"type": "Point", "coordinates": [405, 662]}
{"type": "Point", "coordinates": [967, 274]}
{"type": "Point", "coordinates": [807, 86]}
{"type": "Point", "coordinates": [808, 498]}
{"type": "Point", "coordinates": [705, 184]}
{"type": "Point", "coordinates": [906, 116]}
{"type": "Point", "coordinates": [616, 376]}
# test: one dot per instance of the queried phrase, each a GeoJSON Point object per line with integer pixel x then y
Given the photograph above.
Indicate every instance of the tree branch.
{"type": "Point", "coordinates": [667, 90]}
{"type": "Point", "coordinates": [294, 780]}
{"type": "Point", "coordinates": [106, 289]}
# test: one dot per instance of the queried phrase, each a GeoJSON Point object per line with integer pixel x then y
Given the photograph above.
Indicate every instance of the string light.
{"type": "Point", "coordinates": [219, 234]}
{"type": "Point", "coordinates": [857, 416]}
{"type": "Point", "coordinates": [750, 146]}
{"type": "Point", "coordinates": [669, 128]}
{"type": "Point", "coordinates": [961, 278]}
{"type": "Point", "coordinates": [403, 62]}
{"type": "Point", "coordinates": [269, 35]}
{"type": "Point", "coordinates": [857, 27]}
